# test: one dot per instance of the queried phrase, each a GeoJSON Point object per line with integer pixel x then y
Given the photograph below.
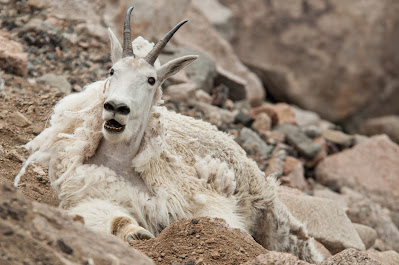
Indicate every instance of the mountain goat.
{"type": "Point", "coordinates": [130, 167]}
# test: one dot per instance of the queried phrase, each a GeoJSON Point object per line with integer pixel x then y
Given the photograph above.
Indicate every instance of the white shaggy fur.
{"type": "Point", "coordinates": [184, 168]}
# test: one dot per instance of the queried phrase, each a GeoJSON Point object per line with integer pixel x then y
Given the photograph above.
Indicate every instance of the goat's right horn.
{"type": "Point", "coordinates": [153, 54]}
{"type": "Point", "coordinates": [127, 36]}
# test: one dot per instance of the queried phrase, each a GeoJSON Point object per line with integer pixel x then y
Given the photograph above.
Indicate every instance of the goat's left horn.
{"type": "Point", "coordinates": [127, 36]}
{"type": "Point", "coordinates": [153, 54]}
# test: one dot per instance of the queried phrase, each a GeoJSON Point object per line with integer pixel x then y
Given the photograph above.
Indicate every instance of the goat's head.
{"type": "Point", "coordinates": [133, 83]}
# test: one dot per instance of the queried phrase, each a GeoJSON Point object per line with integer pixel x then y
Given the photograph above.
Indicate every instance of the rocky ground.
{"type": "Point", "coordinates": [343, 186]}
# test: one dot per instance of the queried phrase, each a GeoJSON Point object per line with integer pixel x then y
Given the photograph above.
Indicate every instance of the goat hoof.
{"type": "Point", "coordinates": [144, 235]}
{"type": "Point", "coordinates": [130, 238]}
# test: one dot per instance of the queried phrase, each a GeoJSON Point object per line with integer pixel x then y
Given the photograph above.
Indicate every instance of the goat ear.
{"type": "Point", "coordinates": [174, 66]}
{"type": "Point", "coordinates": [116, 48]}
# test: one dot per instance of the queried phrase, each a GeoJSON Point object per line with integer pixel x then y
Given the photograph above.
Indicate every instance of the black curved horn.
{"type": "Point", "coordinates": [127, 36]}
{"type": "Point", "coordinates": [153, 54]}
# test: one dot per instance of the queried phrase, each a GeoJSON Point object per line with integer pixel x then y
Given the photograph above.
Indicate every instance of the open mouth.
{"type": "Point", "coordinates": [114, 126]}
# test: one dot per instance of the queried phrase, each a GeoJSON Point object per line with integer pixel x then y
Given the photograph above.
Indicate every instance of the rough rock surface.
{"type": "Point", "coordinates": [200, 241]}
{"type": "Point", "coordinates": [32, 233]}
{"type": "Point", "coordinates": [325, 221]}
{"type": "Point", "coordinates": [307, 46]}
{"type": "Point", "coordinates": [351, 257]}
{"type": "Point", "coordinates": [276, 258]}
{"type": "Point", "coordinates": [371, 167]}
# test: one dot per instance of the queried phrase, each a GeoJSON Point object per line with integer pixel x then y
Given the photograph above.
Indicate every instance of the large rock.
{"type": "Point", "coordinates": [88, 14]}
{"type": "Point", "coordinates": [12, 57]}
{"type": "Point", "coordinates": [152, 20]}
{"type": "Point", "coordinates": [202, 72]}
{"type": "Point", "coordinates": [364, 211]}
{"type": "Point", "coordinates": [220, 16]}
{"type": "Point", "coordinates": [386, 124]}
{"type": "Point", "coordinates": [310, 52]}
{"type": "Point", "coordinates": [325, 221]}
{"type": "Point", "coordinates": [371, 167]}
{"type": "Point", "coordinates": [33, 233]}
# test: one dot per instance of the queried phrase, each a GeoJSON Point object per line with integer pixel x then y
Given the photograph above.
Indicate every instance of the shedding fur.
{"type": "Point", "coordinates": [184, 168]}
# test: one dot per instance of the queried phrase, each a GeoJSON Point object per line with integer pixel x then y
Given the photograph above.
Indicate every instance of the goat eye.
{"type": "Point", "coordinates": [111, 72]}
{"type": "Point", "coordinates": [151, 81]}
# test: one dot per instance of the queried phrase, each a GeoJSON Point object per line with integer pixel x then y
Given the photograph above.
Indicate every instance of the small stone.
{"type": "Point", "coordinates": [77, 88]}
{"type": "Point", "coordinates": [294, 174]}
{"type": "Point", "coordinates": [275, 136]}
{"type": "Point", "coordinates": [265, 109]}
{"type": "Point", "coordinates": [285, 113]}
{"type": "Point", "coordinates": [253, 144]}
{"type": "Point", "coordinates": [202, 96]}
{"type": "Point", "coordinates": [311, 131]}
{"type": "Point", "coordinates": [299, 140]}
{"type": "Point", "coordinates": [276, 163]}
{"type": "Point", "coordinates": [338, 137]}
{"type": "Point", "coordinates": [305, 117]}
{"type": "Point", "coordinates": [244, 119]}
{"type": "Point", "coordinates": [217, 116]}
{"type": "Point", "coordinates": [367, 234]}
{"type": "Point", "coordinates": [194, 221]}
{"type": "Point", "coordinates": [262, 123]}
{"type": "Point", "coordinates": [18, 119]}
{"type": "Point", "coordinates": [57, 81]}
{"type": "Point", "coordinates": [13, 60]}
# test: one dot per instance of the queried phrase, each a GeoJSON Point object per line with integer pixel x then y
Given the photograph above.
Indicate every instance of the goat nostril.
{"type": "Point", "coordinates": [108, 106]}
{"type": "Point", "coordinates": [123, 110]}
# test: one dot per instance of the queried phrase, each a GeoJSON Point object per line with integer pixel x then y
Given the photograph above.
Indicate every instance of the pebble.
{"type": "Point", "coordinates": [253, 144]}
{"type": "Point", "coordinates": [294, 136]}
{"type": "Point", "coordinates": [263, 123]}
{"type": "Point", "coordinates": [338, 137]}
{"type": "Point", "coordinates": [311, 131]}
{"type": "Point", "coordinates": [244, 119]}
